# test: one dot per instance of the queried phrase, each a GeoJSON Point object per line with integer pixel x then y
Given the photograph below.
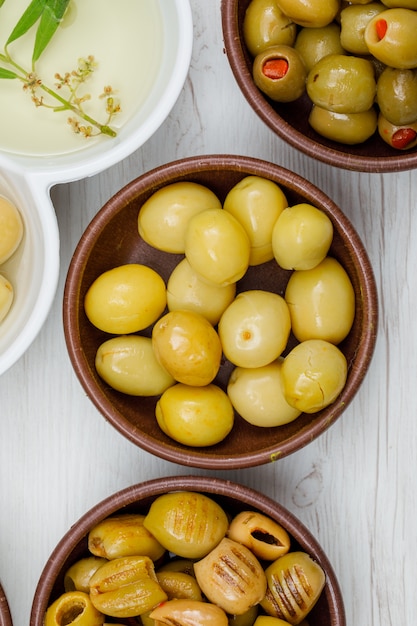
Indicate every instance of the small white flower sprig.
{"type": "Point", "coordinates": [65, 94]}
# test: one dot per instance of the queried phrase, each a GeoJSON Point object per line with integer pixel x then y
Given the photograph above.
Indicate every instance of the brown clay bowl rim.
{"type": "Point", "coordinates": [315, 149]}
{"type": "Point", "coordinates": [193, 456]}
{"type": "Point", "coordinates": [5, 617]}
{"type": "Point", "coordinates": [209, 485]}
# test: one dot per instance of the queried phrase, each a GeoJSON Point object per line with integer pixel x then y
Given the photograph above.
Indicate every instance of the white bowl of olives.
{"type": "Point", "coordinates": [165, 566]}
{"type": "Point", "coordinates": [72, 122]}
{"type": "Point", "coordinates": [190, 332]}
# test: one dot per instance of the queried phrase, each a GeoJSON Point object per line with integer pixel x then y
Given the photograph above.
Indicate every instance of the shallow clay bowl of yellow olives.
{"type": "Point", "coordinates": [5, 617]}
{"type": "Point", "coordinates": [112, 239]}
{"type": "Point", "coordinates": [290, 120]}
{"type": "Point", "coordinates": [233, 498]}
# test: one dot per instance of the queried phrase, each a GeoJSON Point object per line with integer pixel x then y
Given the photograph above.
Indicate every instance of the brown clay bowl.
{"type": "Point", "coordinates": [112, 239]}
{"type": "Point", "coordinates": [329, 611]}
{"type": "Point", "coordinates": [5, 617]}
{"type": "Point", "coordinates": [290, 121]}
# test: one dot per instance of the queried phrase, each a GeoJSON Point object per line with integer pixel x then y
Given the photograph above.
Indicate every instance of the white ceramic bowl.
{"type": "Point", "coordinates": [27, 180]}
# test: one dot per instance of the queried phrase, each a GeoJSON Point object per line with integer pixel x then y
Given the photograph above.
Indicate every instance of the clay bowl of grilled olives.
{"type": "Point", "coordinates": [140, 525]}
{"type": "Point", "coordinates": [186, 397]}
{"type": "Point", "coordinates": [336, 80]}
{"type": "Point", "coordinates": [5, 617]}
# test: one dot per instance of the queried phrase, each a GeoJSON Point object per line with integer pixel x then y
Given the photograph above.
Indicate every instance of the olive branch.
{"type": "Point", "coordinates": [49, 14]}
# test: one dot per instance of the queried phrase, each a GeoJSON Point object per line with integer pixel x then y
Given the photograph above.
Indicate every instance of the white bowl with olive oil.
{"type": "Point", "coordinates": [136, 56]}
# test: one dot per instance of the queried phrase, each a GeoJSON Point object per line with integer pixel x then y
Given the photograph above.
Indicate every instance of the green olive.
{"type": "Point", "coordinates": [342, 83]}
{"type": "Point", "coordinates": [391, 38]}
{"type": "Point", "coordinates": [77, 577]}
{"type": "Point", "coordinates": [353, 20]}
{"type": "Point", "coordinates": [315, 43]}
{"type": "Point", "coordinates": [346, 128]}
{"type": "Point", "coordinates": [397, 95]}
{"type": "Point", "coordinates": [403, 4]}
{"type": "Point", "coordinates": [280, 73]}
{"type": "Point", "coordinates": [398, 137]}
{"type": "Point", "coordinates": [266, 25]}
{"type": "Point", "coordinates": [314, 13]}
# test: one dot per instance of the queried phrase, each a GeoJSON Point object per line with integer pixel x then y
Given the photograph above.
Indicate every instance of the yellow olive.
{"type": "Point", "coordinates": [314, 373]}
{"type": "Point", "coordinates": [390, 37]}
{"type": "Point", "coordinates": [179, 585]}
{"type": "Point", "coordinates": [295, 582]}
{"type": "Point", "coordinates": [188, 613]}
{"type": "Point", "coordinates": [163, 218]}
{"type": "Point", "coordinates": [267, 620]}
{"type": "Point", "coordinates": [195, 416]}
{"type": "Point", "coordinates": [128, 364]}
{"type": "Point", "coordinates": [257, 394]}
{"type": "Point", "coordinates": [6, 296]}
{"type": "Point", "coordinates": [73, 608]}
{"type": "Point", "coordinates": [315, 43]}
{"type": "Point", "coordinates": [403, 4]}
{"type": "Point", "coordinates": [399, 137]}
{"type": "Point", "coordinates": [187, 523]}
{"type": "Point", "coordinates": [264, 25]}
{"type": "Point", "coordinates": [186, 566]}
{"type": "Point", "coordinates": [267, 539]}
{"type": "Point", "coordinates": [186, 291]}
{"type": "Point", "coordinates": [188, 347]}
{"type": "Point", "coordinates": [125, 299]}
{"type": "Point", "coordinates": [231, 576]}
{"type": "Point", "coordinates": [342, 83]}
{"type": "Point", "coordinates": [126, 587]}
{"type": "Point", "coordinates": [313, 13]}
{"type": "Point", "coordinates": [77, 577]}
{"type": "Point", "coordinates": [217, 247]}
{"type": "Point", "coordinates": [256, 203]}
{"type": "Point", "coordinates": [123, 535]}
{"type": "Point", "coordinates": [346, 128]}
{"type": "Point", "coordinates": [279, 72]}
{"type": "Point", "coordinates": [301, 237]}
{"type": "Point", "coordinates": [353, 20]}
{"type": "Point", "coordinates": [11, 229]}
{"type": "Point", "coordinates": [321, 302]}
{"type": "Point", "coordinates": [254, 329]}
{"type": "Point", "coordinates": [246, 619]}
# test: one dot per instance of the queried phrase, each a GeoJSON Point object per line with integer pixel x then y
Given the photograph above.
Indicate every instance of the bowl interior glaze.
{"type": "Point", "coordinates": [112, 239]}
{"type": "Point", "coordinates": [290, 120]}
{"type": "Point", "coordinates": [329, 611]}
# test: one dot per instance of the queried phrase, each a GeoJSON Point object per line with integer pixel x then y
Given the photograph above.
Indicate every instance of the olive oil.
{"type": "Point", "coordinates": [125, 39]}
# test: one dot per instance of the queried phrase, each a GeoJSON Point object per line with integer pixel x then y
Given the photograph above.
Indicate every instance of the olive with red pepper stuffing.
{"type": "Point", "coordinates": [280, 73]}
{"type": "Point", "coordinates": [399, 137]}
{"type": "Point", "coordinates": [391, 38]}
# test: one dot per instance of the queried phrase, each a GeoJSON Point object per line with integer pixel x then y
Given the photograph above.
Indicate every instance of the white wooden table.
{"type": "Point", "coordinates": [354, 487]}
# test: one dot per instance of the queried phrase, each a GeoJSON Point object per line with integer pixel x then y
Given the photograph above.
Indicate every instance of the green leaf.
{"type": "Point", "coordinates": [28, 19]}
{"type": "Point", "coordinates": [7, 73]}
{"type": "Point", "coordinates": [1, 3]}
{"type": "Point", "coordinates": [51, 17]}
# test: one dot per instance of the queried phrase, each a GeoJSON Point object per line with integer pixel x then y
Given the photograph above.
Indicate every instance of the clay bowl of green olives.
{"type": "Point", "coordinates": [336, 80]}
{"type": "Point", "coordinates": [214, 514]}
{"type": "Point", "coordinates": [172, 366]}
{"type": "Point", "coordinates": [5, 617]}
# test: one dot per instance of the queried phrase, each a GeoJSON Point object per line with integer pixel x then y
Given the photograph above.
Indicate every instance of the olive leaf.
{"type": "Point", "coordinates": [7, 73]}
{"type": "Point", "coordinates": [50, 14]}
{"type": "Point", "coordinates": [51, 17]}
{"type": "Point", "coordinates": [28, 19]}
{"type": "Point", "coordinates": [1, 3]}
